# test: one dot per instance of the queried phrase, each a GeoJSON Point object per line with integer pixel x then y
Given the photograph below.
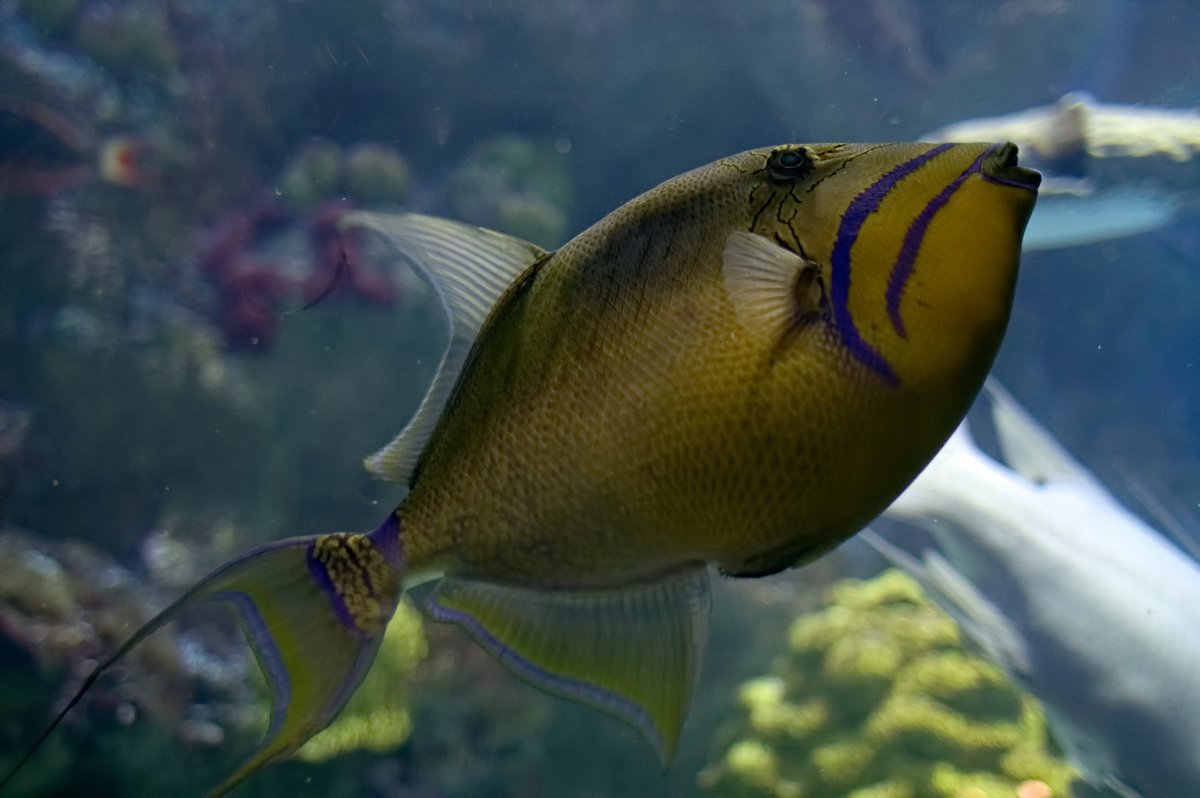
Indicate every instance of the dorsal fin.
{"type": "Point", "coordinates": [469, 268]}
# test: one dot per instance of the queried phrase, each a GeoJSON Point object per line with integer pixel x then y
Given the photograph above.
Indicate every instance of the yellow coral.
{"type": "Point", "coordinates": [874, 697]}
{"type": "Point", "coordinates": [843, 764]}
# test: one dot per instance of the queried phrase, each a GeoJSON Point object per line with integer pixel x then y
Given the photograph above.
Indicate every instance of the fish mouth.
{"type": "Point", "coordinates": [1000, 166]}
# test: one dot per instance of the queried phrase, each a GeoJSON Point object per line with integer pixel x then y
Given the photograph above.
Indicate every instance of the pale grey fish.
{"type": "Point", "coordinates": [1112, 171]}
{"type": "Point", "coordinates": [1078, 599]}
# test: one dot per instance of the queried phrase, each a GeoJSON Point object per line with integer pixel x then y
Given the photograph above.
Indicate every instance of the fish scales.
{"type": "Point", "coordinates": [739, 368]}
{"type": "Point", "coordinates": [589, 472]}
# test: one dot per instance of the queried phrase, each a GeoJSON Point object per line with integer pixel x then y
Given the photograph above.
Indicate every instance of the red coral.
{"type": "Point", "coordinates": [252, 287]}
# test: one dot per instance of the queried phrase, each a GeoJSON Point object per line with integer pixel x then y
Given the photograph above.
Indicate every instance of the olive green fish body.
{"type": "Point", "coordinates": [741, 368]}
{"type": "Point", "coordinates": [616, 417]}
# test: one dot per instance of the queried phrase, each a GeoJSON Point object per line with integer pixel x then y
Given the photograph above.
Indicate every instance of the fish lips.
{"type": "Point", "coordinates": [1000, 166]}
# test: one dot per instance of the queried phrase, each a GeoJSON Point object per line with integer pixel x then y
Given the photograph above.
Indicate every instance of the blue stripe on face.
{"type": "Point", "coordinates": [861, 208]}
{"type": "Point", "coordinates": [907, 261]}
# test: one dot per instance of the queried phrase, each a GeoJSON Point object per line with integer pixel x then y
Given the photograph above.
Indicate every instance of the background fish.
{"type": "Point", "coordinates": [1111, 170]}
{"type": "Point", "coordinates": [1077, 598]}
{"type": "Point", "coordinates": [740, 367]}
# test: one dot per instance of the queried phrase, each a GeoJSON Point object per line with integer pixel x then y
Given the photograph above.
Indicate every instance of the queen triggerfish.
{"type": "Point", "coordinates": [739, 368]}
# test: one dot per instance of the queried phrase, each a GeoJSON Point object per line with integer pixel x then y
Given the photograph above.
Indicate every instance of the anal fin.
{"type": "Point", "coordinates": [632, 651]}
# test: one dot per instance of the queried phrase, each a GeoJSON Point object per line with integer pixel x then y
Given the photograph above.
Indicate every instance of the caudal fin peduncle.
{"type": "Point", "coordinates": [314, 609]}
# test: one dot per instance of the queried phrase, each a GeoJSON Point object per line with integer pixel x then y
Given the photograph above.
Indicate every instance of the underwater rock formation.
{"type": "Point", "coordinates": [875, 697]}
{"type": "Point", "coordinates": [64, 605]}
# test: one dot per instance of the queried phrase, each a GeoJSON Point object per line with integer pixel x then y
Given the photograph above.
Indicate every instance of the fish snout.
{"type": "Point", "coordinates": [1000, 165]}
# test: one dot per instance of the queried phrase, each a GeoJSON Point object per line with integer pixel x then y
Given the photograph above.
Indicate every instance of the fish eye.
{"type": "Point", "coordinates": [789, 164]}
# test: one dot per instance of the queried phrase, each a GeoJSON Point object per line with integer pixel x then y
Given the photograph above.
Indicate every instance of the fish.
{"type": "Point", "coordinates": [1092, 216]}
{"type": "Point", "coordinates": [1110, 171]}
{"type": "Point", "coordinates": [1083, 603]}
{"type": "Point", "coordinates": [44, 153]}
{"type": "Point", "coordinates": [739, 368]}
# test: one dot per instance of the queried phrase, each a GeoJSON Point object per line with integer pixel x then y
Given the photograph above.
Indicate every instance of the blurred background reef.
{"type": "Point", "coordinates": [171, 176]}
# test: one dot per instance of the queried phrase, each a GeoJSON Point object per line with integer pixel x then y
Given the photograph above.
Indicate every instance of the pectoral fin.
{"type": "Point", "coordinates": [771, 287]}
{"type": "Point", "coordinates": [631, 651]}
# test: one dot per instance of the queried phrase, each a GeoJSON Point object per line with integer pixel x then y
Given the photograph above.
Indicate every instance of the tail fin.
{"type": "Point", "coordinates": [314, 610]}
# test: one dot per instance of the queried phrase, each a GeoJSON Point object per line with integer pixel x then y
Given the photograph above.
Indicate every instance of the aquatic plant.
{"type": "Point", "coordinates": [875, 697]}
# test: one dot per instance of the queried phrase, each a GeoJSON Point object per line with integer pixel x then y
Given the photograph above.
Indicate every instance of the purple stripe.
{"type": "Point", "coordinates": [907, 261]}
{"type": "Point", "coordinates": [268, 655]}
{"type": "Point", "coordinates": [320, 575]}
{"type": "Point", "coordinates": [865, 204]}
{"type": "Point", "coordinates": [551, 682]}
{"type": "Point", "coordinates": [1004, 181]}
{"type": "Point", "coordinates": [386, 539]}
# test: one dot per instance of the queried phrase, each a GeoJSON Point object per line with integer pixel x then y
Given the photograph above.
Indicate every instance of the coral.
{"type": "Point", "coordinates": [128, 38]}
{"type": "Point", "coordinates": [42, 152]}
{"type": "Point", "coordinates": [313, 175]}
{"type": "Point", "coordinates": [63, 605]}
{"type": "Point", "coordinates": [368, 172]}
{"type": "Point", "coordinates": [876, 698]}
{"type": "Point", "coordinates": [253, 283]}
{"type": "Point", "coordinates": [376, 174]}
{"type": "Point", "coordinates": [514, 185]}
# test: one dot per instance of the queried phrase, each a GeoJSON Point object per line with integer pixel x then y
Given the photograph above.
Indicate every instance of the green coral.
{"type": "Point", "coordinates": [515, 185]}
{"type": "Point", "coordinates": [314, 174]}
{"type": "Point", "coordinates": [376, 173]}
{"type": "Point", "coordinates": [875, 697]}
